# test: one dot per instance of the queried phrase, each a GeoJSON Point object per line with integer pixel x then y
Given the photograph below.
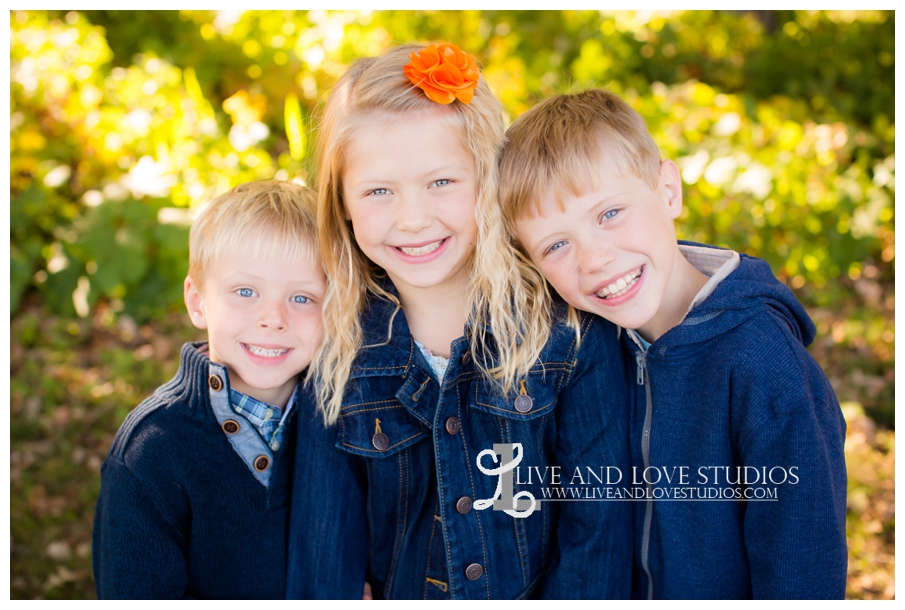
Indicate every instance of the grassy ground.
{"type": "Point", "coordinates": [73, 382]}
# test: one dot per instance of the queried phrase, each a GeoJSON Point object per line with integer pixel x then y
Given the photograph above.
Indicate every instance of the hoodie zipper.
{"type": "Point", "coordinates": [643, 379]}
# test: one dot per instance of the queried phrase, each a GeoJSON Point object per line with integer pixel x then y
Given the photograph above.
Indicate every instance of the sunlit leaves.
{"type": "Point", "coordinates": [206, 99]}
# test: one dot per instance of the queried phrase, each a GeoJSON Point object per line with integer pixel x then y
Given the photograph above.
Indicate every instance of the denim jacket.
{"type": "Point", "coordinates": [392, 492]}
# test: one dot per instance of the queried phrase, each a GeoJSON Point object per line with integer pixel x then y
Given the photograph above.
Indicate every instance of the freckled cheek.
{"type": "Point", "coordinates": [307, 316]}
{"type": "Point", "coordinates": [558, 278]}
{"type": "Point", "coordinates": [367, 227]}
{"type": "Point", "coordinates": [313, 319]}
{"type": "Point", "coordinates": [632, 239]}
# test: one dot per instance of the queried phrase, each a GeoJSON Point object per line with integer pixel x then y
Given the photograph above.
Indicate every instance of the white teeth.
{"type": "Point", "coordinates": [421, 251]}
{"type": "Point", "coordinates": [266, 353]}
{"type": "Point", "coordinates": [620, 286]}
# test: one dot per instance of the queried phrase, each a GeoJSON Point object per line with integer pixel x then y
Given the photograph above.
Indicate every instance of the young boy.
{"type": "Point", "coordinates": [736, 433]}
{"type": "Point", "coordinates": [194, 491]}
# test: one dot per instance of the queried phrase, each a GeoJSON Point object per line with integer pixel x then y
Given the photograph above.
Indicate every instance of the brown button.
{"type": "Point", "coordinates": [452, 425]}
{"type": "Point", "coordinates": [465, 356]}
{"type": "Point", "coordinates": [523, 403]}
{"type": "Point", "coordinates": [380, 441]}
{"type": "Point", "coordinates": [474, 571]}
{"type": "Point", "coordinates": [230, 426]}
{"type": "Point", "coordinates": [215, 382]}
{"type": "Point", "coordinates": [463, 505]}
{"type": "Point", "coordinates": [262, 462]}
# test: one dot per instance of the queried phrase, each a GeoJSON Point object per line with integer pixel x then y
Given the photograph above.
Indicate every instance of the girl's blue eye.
{"type": "Point", "coordinates": [379, 192]}
{"type": "Point", "coordinates": [300, 299]}
{"type": "Point", "coordinates": [442, 182]}
{"type": "Point", "coordinates": [246, 292]}
{"type": "Point", "coordinates": [609, 214]}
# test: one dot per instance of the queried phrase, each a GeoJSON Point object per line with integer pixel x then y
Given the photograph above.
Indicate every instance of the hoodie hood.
{"type": "Point", "coordinates": [749, 290]}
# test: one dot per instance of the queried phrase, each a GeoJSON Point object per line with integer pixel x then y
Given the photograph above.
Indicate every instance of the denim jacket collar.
{"type": "Point", "coordinates": [387, 347]}
{"type": "Point", "coordinates": [389, 350]}
{"type": "Point", "coordinates": [380, 318]}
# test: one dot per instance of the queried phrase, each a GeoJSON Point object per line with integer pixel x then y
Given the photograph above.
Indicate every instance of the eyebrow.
{"type": "Point", "coordinates": [538, 243]}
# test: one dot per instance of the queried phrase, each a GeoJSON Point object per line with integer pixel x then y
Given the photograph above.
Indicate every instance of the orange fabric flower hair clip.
{"type": "Point", "coordinates": [444, 72]}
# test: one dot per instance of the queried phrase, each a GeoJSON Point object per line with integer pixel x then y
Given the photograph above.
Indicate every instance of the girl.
{"type": "Point", "coordinates": [442, 367]}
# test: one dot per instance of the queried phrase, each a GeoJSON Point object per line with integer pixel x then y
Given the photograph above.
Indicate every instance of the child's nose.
{"type": "Point", "coordinates": [273, 317]}
{"type": "Point", "coordinates": [413, 213]}
{"type": "Point", "coordinates": [594, 256]}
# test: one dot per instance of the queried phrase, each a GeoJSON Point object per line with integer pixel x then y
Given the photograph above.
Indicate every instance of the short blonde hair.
{"type": "Point", "coordinates": [506, 294]}
{"type": "Point", "coordinates": [557, 147]}
{"type": "Point", "coordinates": [269, 217]}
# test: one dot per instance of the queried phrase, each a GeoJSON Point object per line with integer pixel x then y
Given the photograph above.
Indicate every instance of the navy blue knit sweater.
{"type": "Point", "coordinates": [180, 513]}
{"type": "Point", "coordinates": [731, 398]}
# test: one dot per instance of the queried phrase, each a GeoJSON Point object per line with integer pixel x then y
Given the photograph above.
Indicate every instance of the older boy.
{"type": "Point", "coordinates": [194, 491]}
{"type": "Point", "coordinates": [736, 433]}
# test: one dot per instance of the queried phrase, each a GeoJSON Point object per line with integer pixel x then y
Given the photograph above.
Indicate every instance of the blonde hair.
{"type": "Point", "coordinates": [557, 147]}
{"type": "Point", "coordinates": [505, 294]}
{"type": "Point", "coordinates": [270, 218]}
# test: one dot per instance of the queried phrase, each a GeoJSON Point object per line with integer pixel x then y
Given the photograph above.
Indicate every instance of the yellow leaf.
{"type": "Point", "coordinates": [245, 108]}
{"type": "Point", "coordinates": [31, 140]}
{"type": "Point", "coordinates": [294, 128]}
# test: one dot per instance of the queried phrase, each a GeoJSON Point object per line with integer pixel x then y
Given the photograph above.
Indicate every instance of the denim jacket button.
{"type": "Point", "coordinates": [215, 382]}
{"type": "Point", "coordinates": [262, 462]}
{"type": "Point", "coordinates": [523, 403]}
{"type": "Point", "coordinates": [380, 441]}
{"type": "Point", "coordinates": [452, 425]}
{"type": "Point", "coordinates": [465, 356]}
{"type": "Point", "coordinates": [463, 506]}
{"type": "Point", "coordinates": [230, 426]}
{"type": "Point", "coordinates": [474, 571]}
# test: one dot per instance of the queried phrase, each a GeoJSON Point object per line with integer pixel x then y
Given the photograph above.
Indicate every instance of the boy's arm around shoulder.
{"type": "Point", "coordinates": [328, 534]}
{"type": "Point", "coordinates": [139, 543]}
{"type": "Point", "coordinates": [592, 547]}
{"type": "Point", "coordinates": [788, 419]}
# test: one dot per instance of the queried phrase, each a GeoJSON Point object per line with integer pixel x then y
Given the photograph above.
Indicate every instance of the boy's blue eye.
{"type": "Point", "coordinates": [246, 292]}
{"type": "Point", "coordinates": [609, 214]}
{"type": "Point", "coordinates": [300, 299]}
{"type": "Point", "coordinates": [556, 246]}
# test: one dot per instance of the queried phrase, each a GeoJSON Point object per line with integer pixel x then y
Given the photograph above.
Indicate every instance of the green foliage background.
{"type": "Point", "coordinates": [124, 122]}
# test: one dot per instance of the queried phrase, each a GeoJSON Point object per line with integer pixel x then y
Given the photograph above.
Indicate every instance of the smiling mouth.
{"type": "Point", "coordinates": [620, 286]}
{"type": "Point", "coordinates": [421, 250]}
{"type": "Point", "coordinates": [264, 352]}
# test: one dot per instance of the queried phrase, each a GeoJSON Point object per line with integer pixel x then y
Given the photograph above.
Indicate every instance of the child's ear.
{"type": "Point", "coordinates": [194, 303]}
{"type": "Point", "coordinates": [671, 187]}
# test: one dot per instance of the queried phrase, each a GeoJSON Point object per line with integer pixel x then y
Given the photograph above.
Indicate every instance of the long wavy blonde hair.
{"type": "Point", "coordinates": [506, 294]}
